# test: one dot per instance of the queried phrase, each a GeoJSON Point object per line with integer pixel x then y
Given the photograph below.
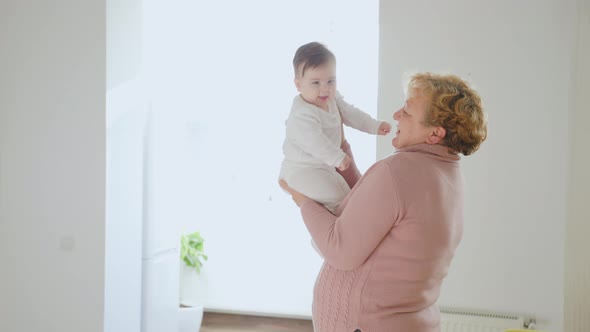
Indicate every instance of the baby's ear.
{"type": "Point", "coordinates": [297, 84]}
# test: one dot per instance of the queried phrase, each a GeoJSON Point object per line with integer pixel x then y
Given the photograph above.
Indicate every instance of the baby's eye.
{"type": "Point", "coordinates": [315, 82]}
{"type": "Point", "coordinates": [332, 82]}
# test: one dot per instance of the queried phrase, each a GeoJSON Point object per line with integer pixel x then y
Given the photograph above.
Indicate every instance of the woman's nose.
{"type": "Point", "coordinates": [396, 115]}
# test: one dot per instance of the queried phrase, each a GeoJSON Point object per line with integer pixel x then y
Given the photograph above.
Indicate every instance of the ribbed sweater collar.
{"type": "Point", "coordinates": [437, 151]}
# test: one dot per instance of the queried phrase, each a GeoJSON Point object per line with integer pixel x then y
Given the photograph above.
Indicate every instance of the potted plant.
{"type": "Point", "coordinates": [192, 256]}
{"type": "Point", "coordinates": [191, 250]}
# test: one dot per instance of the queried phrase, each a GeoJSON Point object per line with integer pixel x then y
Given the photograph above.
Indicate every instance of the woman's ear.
{"type": "Point", "coordinates": [437, 135]}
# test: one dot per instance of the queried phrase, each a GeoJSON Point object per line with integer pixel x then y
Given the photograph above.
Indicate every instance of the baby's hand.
{"type": "Point", "coordinates": [345, 163]}
{"type": "Point", "coordinates": [384, 128]}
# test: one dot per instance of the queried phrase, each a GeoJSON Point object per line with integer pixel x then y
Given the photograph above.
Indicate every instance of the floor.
{"type": "Point", "coordinates": [218, 322]}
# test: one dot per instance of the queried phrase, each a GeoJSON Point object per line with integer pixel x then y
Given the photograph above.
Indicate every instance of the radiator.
{"type": "Point", "coordinates": [458, 320]}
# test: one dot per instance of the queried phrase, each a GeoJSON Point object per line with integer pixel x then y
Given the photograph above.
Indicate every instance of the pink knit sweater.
{"type": "Point", "coordinates": [390, 245]}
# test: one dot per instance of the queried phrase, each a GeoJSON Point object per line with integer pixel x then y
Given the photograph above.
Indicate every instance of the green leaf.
{"type": "Point", "coordinates": [191, 250]}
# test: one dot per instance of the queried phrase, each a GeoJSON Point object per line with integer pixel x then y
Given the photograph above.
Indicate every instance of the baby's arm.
{"type": "Point", "coordinates": [304, 130]}
{"type": "Point", "coordinates": [352, 174]}
{"type": "Point", "coordinates": [384, 128]}
{"type": "Point", "coordinates": [355, 118]}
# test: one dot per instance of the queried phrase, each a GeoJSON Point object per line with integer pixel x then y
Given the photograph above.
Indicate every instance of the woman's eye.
{"type": "Point", "coordinates": [332, 82]}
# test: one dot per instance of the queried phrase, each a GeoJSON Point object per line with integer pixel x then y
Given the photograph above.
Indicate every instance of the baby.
{"type": "Point", "coordinates": [314, 129]}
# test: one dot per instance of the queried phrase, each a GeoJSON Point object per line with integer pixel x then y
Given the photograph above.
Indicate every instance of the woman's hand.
{"type": "Point", "coordinates": [297, 197]}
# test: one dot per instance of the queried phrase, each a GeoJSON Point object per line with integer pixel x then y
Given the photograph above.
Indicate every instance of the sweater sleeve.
{"type": "Point", "coordinates": [372, 209]}
{"type": "Point", "coordinates": [355, 118]}
{"type": "Point", "coordinates": [304, 129]}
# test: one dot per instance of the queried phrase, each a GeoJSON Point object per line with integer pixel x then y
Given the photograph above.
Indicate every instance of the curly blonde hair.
{"type": "Point", "coordinates": [454, 106]}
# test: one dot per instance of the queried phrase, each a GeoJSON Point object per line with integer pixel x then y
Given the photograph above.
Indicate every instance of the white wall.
{"type": "Point", "coordinates": [52, 165]}
{"type": "Point", "coordinates": [577, 247]}
{"type": "Point", "coordinates": [125, 122]}
{"type": "Point", "coordinates": [518, 55]}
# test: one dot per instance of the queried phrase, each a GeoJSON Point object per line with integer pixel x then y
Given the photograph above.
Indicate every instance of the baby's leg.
{"type": "Point", "coordinates": [323, 185]}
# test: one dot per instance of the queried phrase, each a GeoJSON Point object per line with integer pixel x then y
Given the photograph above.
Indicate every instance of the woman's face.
{"type": "Point", "coordinates": [410, 130]}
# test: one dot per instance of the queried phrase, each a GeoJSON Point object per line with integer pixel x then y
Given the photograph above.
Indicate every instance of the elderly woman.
{"type": "Point", "coordinates": [391, 242]}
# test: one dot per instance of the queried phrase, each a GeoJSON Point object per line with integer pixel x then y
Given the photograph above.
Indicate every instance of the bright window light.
{"type": "Point", "coordinates": [221, 73]}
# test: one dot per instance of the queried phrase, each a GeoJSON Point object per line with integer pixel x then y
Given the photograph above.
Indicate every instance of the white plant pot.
{"type": "Point", "coordinates": [190, 318]}
{"type": "Point", "coordinates": [191, 293]}
{"type": "Point", "coordinates": [193, 286]}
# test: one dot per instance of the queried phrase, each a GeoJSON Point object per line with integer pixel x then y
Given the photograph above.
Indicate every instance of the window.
{"type": "Point", "coordinates": [221, 81]}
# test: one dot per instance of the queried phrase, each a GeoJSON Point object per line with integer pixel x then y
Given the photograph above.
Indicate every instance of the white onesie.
{"type": "Point", "coordinates": [312, 148]}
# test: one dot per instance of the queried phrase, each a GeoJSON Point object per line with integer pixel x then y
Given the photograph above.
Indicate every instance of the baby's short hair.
{"type": "Point", "coordinates": [311, 55]}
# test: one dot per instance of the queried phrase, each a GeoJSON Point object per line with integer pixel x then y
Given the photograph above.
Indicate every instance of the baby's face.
{"type": "Point", "coordinates": [318, 85]}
